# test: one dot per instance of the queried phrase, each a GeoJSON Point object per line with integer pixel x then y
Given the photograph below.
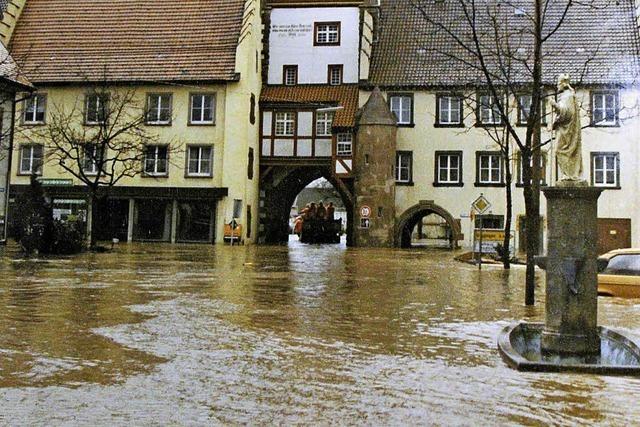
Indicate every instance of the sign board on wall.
{"type": "Point", "coordinates": [365, 211]}
{"type": "Point", "coordinates": [365, 222]}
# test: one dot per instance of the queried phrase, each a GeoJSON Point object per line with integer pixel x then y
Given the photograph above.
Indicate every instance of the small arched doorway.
{"type": "Point", "coordinates": [279, 188]}
{"type": "Point", "coordinates": [414, 216]}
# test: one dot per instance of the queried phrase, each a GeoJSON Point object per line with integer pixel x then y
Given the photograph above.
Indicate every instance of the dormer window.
{"type": "Point", "coordinates": [327, 34]}
{"type": "Point", "coordinates": [290, 75]}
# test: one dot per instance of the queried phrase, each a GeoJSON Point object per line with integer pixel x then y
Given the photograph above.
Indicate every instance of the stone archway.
{"type": "Point", "coordinates": [408, 220]}
{"type": "Point", "coordinates": [279, 187]}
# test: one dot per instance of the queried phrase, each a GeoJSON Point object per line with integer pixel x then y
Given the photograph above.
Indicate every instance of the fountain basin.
{"type": "Point", "coordinates": [519, 347]}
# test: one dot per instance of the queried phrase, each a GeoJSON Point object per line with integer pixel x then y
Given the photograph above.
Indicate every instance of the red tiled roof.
{"type": "Point", "coordinates": [597, 43]}
{"type": "Point", "coordinates": [128, 40]}
{"type": "Point", "coordinates": [343, 95]}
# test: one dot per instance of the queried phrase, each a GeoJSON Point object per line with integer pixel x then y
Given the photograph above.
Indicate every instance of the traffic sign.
{"type": "Point", "coordinates": [481, 204]}
{"type": "Point", "coordinates": [365, 211]}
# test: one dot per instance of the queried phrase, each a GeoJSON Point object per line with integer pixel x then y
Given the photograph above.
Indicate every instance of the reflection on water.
{"type": "Point", "coordinates": [201, 334]}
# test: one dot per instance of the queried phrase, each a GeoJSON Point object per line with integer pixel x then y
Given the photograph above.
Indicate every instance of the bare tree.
{"type": "Point", "coordinates": [500, 46]}
{"type": "Point", "coordinates": [101, 140]}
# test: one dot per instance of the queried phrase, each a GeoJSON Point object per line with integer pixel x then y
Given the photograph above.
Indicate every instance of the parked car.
{"type": "Point", "coordinates": [619, 273]}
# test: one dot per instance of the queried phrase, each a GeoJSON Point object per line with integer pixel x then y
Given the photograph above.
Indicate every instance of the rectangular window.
{"type": "Point", "coordinates": [327, 34]}
{"type": "Point", "coordinates": [404, 160]}
{"type": "Point", "coordinates": [34, 109]}
{"type": "Point", "coordinates": [495, 222]}
{"type": "Point", "coordinates": [605, 169]}
{"type": "Point", "coordinates": [488, 110]}
{"type": "Point", "coordinates": [489, 168]}
{"type": "Point", "coordinates": [335, 75]}
{"type": "Point", "coordinates": [285, 123]}
{"type": "Point", "coordinates": [448, 168]}
{"type": "Point", "coordinates": [92, 159]}
{"type": "Point", "coordinates": [543, 168]}
{"type": "Point", "coordinates": [323, 124]}
{"type": "Point", "coordinates": [402, 107]}
{"type": "Point", "coordinates": [31, 159]}
{"type": "Point", "coordinates": [203, 109]}
{"type": "Point", "coordinates": [159, 108]}
{"type": "Point", "coordinates": [344, 144]}
{"type": "Point", "coordinates": [290, 75]}
{"type": "Point", "coordinates": [449, 110]}
{"type": "Point", "coordinates": [199, 161]}
{"type": "Point", "coordinates": [604, 108]}
{"type": "Point", "coordinates": [155, 160]}
{"type": "Point", "coordinates": [524, 107]}
{"type": "Point", "coordinates": [95, 108]}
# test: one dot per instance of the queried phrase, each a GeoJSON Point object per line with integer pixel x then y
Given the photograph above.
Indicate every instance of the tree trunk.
{"type": "Point", "coordinates": [91, 209]}
{"type": "Point", "coordinates": [506, 256]}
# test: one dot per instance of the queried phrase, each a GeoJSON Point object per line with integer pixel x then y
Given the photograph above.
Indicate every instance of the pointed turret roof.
{"type": "Point", "coordinates": [376, 111]}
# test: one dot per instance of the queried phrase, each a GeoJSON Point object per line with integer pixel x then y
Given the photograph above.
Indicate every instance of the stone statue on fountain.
{"type": "Point", "coordinates": [568, 134]}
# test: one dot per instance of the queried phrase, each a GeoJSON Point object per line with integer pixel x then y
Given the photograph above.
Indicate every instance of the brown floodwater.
{"type": "Point", "coordinates": [160, 334]}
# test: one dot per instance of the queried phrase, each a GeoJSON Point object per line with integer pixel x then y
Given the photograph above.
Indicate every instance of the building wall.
{"type": "Point", "coordinates": [241, 127]}
{"type": "Point", "coordinates": [424, 139]}
{"type": "Point", "coordinates": [291, 42]}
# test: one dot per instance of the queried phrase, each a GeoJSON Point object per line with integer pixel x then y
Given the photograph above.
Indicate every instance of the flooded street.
{"type": "Point", "coordinates": [157, 334]}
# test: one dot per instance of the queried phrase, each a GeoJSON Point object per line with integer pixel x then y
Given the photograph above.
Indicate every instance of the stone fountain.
{"type": "Point", "coordinates": [570, 339]}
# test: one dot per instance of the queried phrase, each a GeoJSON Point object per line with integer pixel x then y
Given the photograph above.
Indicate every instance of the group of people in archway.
{"type": "Point", "coordinates": [313, 211]}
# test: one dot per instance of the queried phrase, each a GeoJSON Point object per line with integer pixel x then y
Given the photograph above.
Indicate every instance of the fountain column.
{"type": "Point", "coordinates": [571, 270]}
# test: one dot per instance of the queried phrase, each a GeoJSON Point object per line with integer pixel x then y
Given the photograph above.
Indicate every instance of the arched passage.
{"type": "Point", "coordinates": [279, 186]}
{"type": "Point", "coordinates": [410, 218]}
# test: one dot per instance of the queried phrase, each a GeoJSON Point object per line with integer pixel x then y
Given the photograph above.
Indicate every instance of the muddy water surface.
{"type": "Point", "coordinates": [157, 334]}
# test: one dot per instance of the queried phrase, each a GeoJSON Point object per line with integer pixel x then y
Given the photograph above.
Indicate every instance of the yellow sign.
{"type": "Point", "coordinates": [490, 235]}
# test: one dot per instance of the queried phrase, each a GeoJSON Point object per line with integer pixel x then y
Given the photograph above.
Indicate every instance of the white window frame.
{"type": "Point", "coordinates": [451, 100]}
{"type": "Point", "coordinates": [90, 159]}
{"type": "Point", "coordinates": [402, 109]}
{"type": "Point", "coordinates": [344, 144]}
{"type": "Point", "coordinates": [400, 167]}
{"type": "Point", "coordinates": [448, 168]}
{"type": "Point", "coordinates": [200, 160]}
{"type": "Point", "coordinates": [155, 160]}
{"type": "Point", "coordinates": [599, 114]}
{"type": "Point", "coordinates": [202, 120]}
{"type": "Point", "coordinates": [99, 101]}
{"type": "Point", "coordinates": [335, 75]}
{"type": "Point", "coordinates": [327, 33]}
{"type": "Point", "coordinates": [604, 169]}
{"type": "Point", "coordinates": [494, 163]}
{"type": "Point", "coordinates": [163, 104]}
{"type": "Point", "coordinates": [491, 108]}
{"type": "Point", "coordinates": [32, 108]}
{"type": "Point", "coordinates": [290, 77]}
{"type": "Point", "coordinates": [285, 123]}
{"type": "Point", "coordinates": [324, 121]}
{"type": "Point", "coordinates": [34, 167]}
